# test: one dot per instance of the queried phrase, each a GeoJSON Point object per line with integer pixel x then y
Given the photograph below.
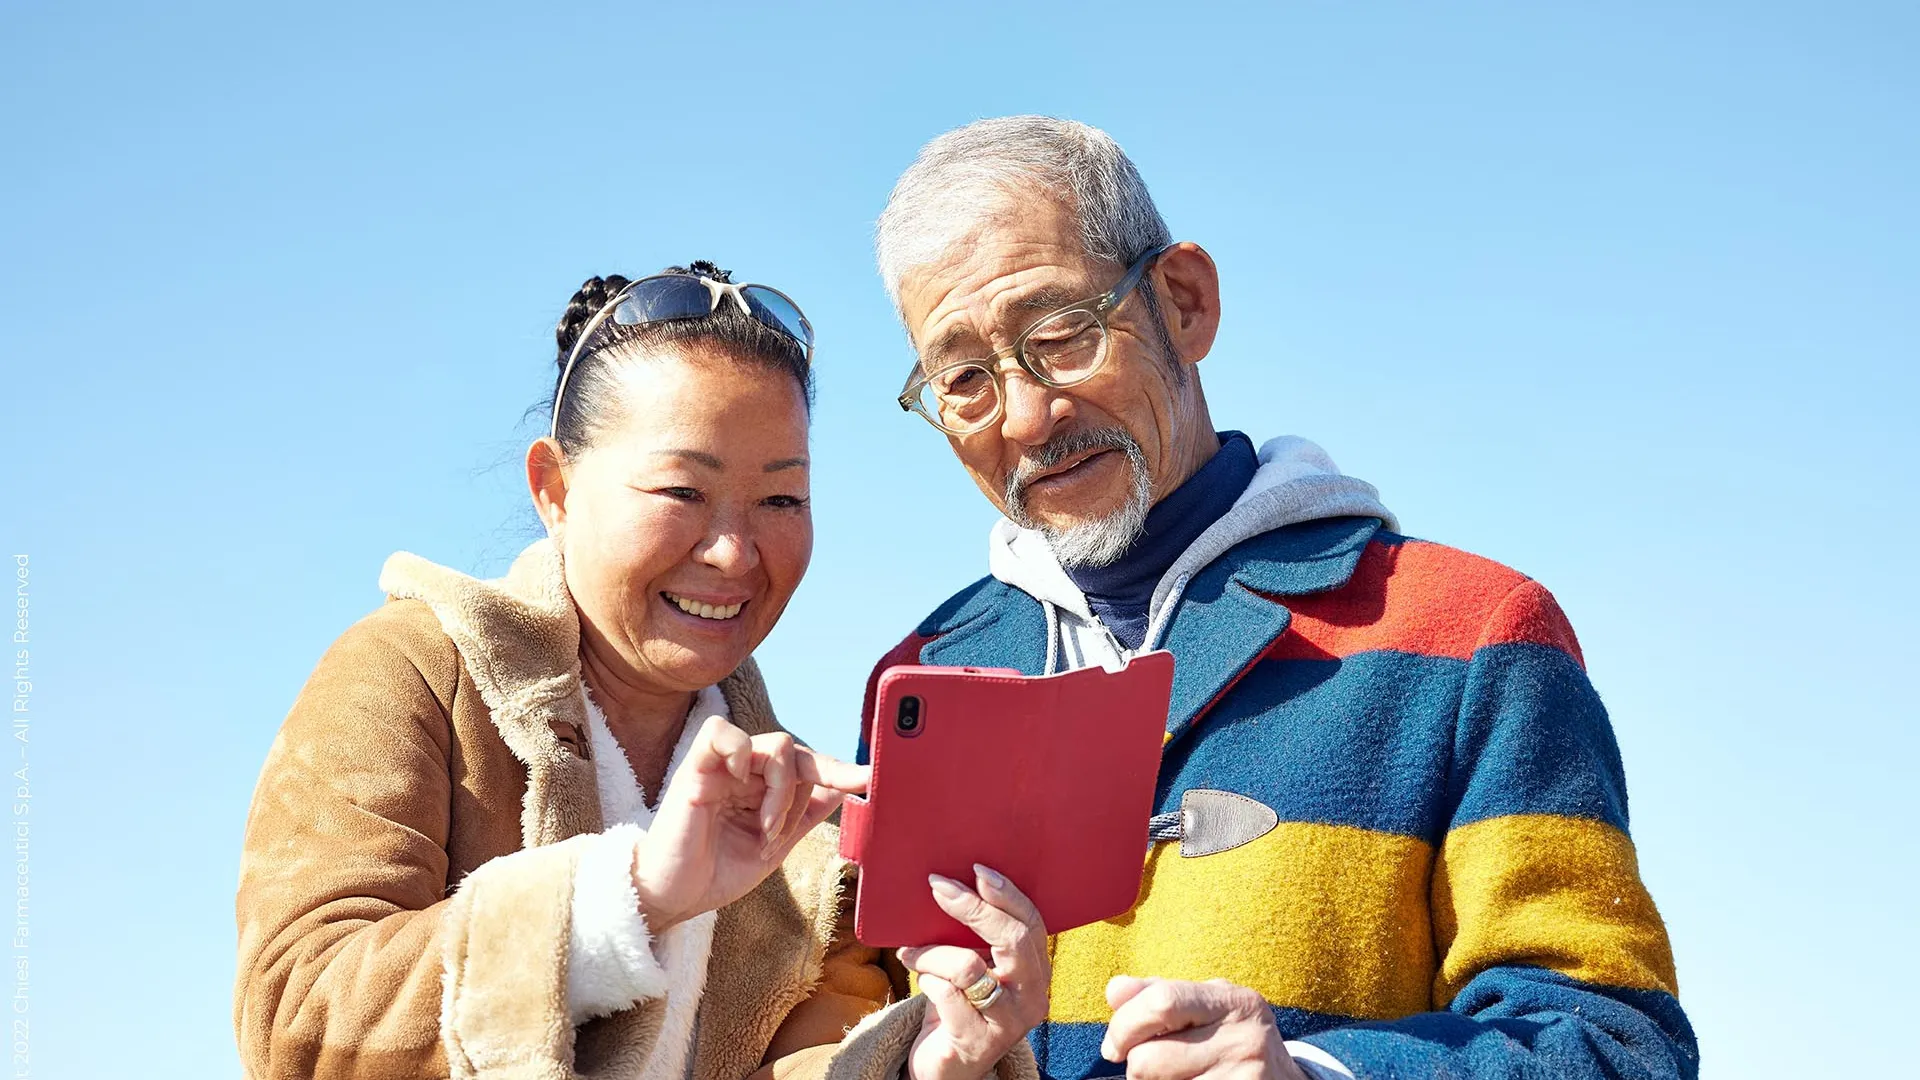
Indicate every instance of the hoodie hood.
{"type": "Point", "coordinates": [1296, 482]}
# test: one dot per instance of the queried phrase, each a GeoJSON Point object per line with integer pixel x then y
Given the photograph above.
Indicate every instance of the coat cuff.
{"type": "Point", "coordinates": [1317, 1063]}
{"type": "Point", "coordinates": [503, 996]}
{"type": "Point", "coordinates": [877, 1047]}
{"type": "Point", "coordinates": [610, 952]}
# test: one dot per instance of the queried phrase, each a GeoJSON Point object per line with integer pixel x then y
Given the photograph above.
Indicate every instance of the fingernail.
{"type": "Point", "coordinates": [946, 888]}
{"type": "Point", "coordinates": [990, 877]}
{"type": "Point", "coordinates": [1106, 1050]}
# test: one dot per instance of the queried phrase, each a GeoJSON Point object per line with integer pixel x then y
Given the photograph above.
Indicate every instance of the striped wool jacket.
{"type": "Point", "coordinates": [1433, 876]}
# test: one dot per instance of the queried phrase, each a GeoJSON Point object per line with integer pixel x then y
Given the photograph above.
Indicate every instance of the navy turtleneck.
{"type": "Point", "coordinates": [1119, 593]}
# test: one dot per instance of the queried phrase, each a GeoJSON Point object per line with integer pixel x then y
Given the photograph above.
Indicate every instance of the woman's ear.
{"type": "Point", "coordinates": [547, 482]}
{"type": "Point", "coordinates": [1189, 299]}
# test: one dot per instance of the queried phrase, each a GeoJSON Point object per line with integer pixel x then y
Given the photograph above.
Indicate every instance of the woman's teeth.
{"type": "Point", "coordinates": [705, 611]}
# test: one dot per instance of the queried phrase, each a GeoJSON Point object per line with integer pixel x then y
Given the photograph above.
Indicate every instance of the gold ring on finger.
{"type": "Point", "coordinates": [983, 991]}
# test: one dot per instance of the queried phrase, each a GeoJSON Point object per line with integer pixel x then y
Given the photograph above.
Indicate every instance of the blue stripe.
{"type": "Point", "coordinates": [1522, 1021]}
{"type": "Point", "coordinates": [1221, 627]}
{"type": "Point", "coordinates": [1072, 1051]}
{"type": "Point", "coordinates": [1360, 741]}
{"type": "Point", "coordinates": [964, 606]}
{"type": "Point", "coordinates": [1509, 1021]}
{"type": "Point", "coordinates": [1409, 744]}
{"type": "Point", "coordinates": [1009, 631]}
{"type": "Point", "coordinates": [1536, 737]}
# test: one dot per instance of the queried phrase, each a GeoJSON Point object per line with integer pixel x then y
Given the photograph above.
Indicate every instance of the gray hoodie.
{"type": "Point", "coordinates": [1296, 482]}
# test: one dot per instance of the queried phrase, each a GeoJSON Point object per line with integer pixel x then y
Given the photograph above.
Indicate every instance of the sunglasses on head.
{"type": "Point", "coordinates": [667, 297]}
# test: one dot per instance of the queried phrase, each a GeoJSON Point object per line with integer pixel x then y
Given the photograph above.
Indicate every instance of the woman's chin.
{"type": "Point", "coordinates": [689, 663]}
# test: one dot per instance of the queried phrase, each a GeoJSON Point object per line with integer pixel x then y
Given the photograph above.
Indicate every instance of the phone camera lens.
{"type": "Point", "coordinates": [907, 720]}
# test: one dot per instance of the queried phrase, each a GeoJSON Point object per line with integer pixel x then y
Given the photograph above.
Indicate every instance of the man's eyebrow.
{"type": "Point", "coordinates": [1042, 301]}
{"type": "Point", "coordinates": [784, 463]}
{"type": "Point", "coordinates": [937, 352]}
{"type": "Point", "coordinates": [1045, 300]}
{"type": "Point", "coordinates": [695, 456]}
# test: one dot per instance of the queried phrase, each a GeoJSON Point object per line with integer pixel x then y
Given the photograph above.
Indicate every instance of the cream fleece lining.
{"type": "Point", "coordinates": [612, 960]}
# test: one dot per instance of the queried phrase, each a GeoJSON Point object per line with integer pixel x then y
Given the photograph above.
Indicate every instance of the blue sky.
{"type": "Point", "coordinates": [1625, 297]}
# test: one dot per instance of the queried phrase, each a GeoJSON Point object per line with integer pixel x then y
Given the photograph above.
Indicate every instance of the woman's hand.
{"type": "Point", "coordinates": [731, 812]}
{"type": "Point", "coordinates": [959, 1040]}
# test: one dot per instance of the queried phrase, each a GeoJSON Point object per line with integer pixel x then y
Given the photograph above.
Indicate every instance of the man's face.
{"type": "Point", "coordinates": [1014, 269]}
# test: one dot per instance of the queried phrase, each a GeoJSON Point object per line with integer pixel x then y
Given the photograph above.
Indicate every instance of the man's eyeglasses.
{"type": "Point", "coordinates": [666, 297]}
{"type": "Point", "coordinates": [1061, 349]}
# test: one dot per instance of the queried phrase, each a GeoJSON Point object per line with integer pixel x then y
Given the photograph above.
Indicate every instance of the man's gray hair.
{"type": "Point", "coordinates": [964, 177]}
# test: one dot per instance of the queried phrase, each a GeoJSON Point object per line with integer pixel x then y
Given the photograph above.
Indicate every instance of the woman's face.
{"type": "Point", "coordinates": [686, 527]}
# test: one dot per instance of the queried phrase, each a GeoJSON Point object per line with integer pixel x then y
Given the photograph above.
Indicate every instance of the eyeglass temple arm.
{"type": "Point", "coordinates": [566, 373]}
{"type": "Point", "coordinates": [1134, 275]}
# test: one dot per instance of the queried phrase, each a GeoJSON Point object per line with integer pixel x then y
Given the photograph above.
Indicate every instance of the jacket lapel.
{"type": "Point", "coordinates": [1231, 612]}
{"type": "Point", "coordinates": [519, 637]}
{"type": "Point", "coordinates": [1009, 632]}
{"type": "Point", "coordinates": [1221, 628]}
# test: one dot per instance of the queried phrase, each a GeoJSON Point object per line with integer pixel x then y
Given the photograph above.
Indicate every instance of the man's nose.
{"type": "Point", "coordinates": [1031, 410]}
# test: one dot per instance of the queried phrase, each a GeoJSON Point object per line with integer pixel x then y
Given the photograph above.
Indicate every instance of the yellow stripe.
{"type": "Point", "coordinates": [1322, 917]}
{"type": "Point", "coordinates": [1554, 892]}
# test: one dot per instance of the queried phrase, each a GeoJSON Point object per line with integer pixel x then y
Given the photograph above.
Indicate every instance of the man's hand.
{"type": "Point", "coordinates": [1165, 1029]}
{"type": "Point", "coordinates": [731, 812]}
{"type": "Point", "coordinates": [958, 1041]}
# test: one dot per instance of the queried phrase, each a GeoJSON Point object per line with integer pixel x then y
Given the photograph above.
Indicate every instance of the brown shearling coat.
{"type": "Point", "coordinates": [406, 880]}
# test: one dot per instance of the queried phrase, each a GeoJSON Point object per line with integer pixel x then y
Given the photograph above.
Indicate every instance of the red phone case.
{"type": "Point", "coordinates": [1048, 780]}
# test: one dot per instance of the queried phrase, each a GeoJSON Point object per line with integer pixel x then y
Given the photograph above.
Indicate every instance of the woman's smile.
{"type": "Point", "coordinates": [711, 611]}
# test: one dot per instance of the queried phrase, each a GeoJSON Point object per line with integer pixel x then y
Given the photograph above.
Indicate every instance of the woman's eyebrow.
{"type": "Point", "coordinates": [784, 463]}
{"type": "Point", "coordinates": [696, 456]}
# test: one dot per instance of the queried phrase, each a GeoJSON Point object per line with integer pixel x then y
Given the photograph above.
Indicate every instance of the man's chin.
{"type": "Point", "coordinates": [1060, 520]}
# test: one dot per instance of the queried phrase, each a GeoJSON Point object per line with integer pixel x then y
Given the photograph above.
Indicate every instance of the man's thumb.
{"type": "Point", "coordinates": [1122, 988]}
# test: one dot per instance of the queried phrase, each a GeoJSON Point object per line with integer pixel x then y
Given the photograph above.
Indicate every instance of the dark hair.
{"type": "Point", "coordinates": [593, 393]}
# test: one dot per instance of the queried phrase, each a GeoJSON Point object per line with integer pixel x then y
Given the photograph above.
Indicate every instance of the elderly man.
{"type": "Point", "coordinates": [1391, 836]}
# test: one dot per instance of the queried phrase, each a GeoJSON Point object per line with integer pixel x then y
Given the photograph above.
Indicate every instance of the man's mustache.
{"type": "Point", "coordinates": [1061, 447]}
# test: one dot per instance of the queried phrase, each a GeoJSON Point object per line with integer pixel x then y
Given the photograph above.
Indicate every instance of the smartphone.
{"type": "Point", "coordinates": [1048, 780]}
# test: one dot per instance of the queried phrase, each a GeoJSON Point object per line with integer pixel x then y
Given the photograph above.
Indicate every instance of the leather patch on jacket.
{"type": "Point", "coordinates": [1215, 821]}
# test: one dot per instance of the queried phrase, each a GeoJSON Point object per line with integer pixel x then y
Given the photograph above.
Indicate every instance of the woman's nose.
{"type": "Point", "coordinates": [730, 551]}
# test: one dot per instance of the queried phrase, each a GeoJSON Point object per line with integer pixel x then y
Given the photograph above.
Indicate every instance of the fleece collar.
{"type": "Point", "coordinates": [519, 637]}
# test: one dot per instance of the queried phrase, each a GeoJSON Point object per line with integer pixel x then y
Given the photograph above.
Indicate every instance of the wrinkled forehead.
{"type": "Point", "coordinates": [990, 282]}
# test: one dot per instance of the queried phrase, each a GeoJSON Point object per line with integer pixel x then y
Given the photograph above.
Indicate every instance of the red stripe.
{"type": "Point", "coordinates": [1426, 599]}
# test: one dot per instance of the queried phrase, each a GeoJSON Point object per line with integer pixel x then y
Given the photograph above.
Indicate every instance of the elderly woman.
{"type": "Point", "coordinates": [547, 826]}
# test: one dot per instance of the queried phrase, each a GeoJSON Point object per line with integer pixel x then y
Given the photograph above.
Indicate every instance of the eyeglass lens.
{"type": "Point", "coordinates": [1064, 349]}
{"type": "Point", "coordinates": [777, 311]}
{"type": "Point", "coordinates": [664, 298]}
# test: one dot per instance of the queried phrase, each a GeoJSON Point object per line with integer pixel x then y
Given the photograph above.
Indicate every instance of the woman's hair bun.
{"type": "Point", "coordinates": [703, 268]}
{"type": "Point", "coordinates": [592, 295]}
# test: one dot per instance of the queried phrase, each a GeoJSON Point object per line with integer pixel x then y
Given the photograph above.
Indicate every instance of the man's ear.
{"type": "Point", "coordinates": [547, 482]}
{"type": "Point", "coordinates": [1189, 287]}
